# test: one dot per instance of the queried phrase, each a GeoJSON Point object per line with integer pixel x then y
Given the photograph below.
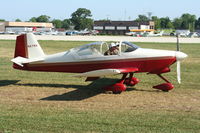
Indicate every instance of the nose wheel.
{"type": "Point", "coordinates": [165, 86]}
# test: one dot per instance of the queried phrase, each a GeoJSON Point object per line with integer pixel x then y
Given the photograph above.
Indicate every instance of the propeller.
{"type": "Point", "coordinates": [178, 67]}
{"type": "Point", "coordinates": [179, 72]}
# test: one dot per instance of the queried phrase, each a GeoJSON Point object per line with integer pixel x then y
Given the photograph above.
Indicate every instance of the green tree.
{"type": "Point", "coordinates": [86, 24]}
{"type": "Point", "coordinates": [197, 23]}
{"type": "Point", "coordinates": [57, 23]}
{"type": "Point", "coordinates": [142, 18]}
{"type": "Point", "coordinates": [192, 23]}
{"type": "Point", "coordinates": [177, 22]}
{"type": "Point", "coordinates": [81, 19]}
{"type": "Point", "coordinates": [66, 23]}
{"type": "Point", "coordinates": [188, 21]}
{"type": "Point", "coordinates": [43, 18]}
{"type": "Point", "coordinates": [166, 23]}
{"type": "Point", "coordinates": [170, 25]}
{"type": "Point", "coordinates": [2, 20]}
{"type": "Point", "coordinates": [18, 20]}
{"type": "Point", "coordinates": [156, 21]}
{"type": "Point", "coordinates": [33, 19]}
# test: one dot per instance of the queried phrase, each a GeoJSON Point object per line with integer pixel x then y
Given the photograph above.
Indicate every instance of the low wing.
{"type": "Point", "coordinates": [20, 60]}
{"type": "Point", "coordinates": [106, 72]}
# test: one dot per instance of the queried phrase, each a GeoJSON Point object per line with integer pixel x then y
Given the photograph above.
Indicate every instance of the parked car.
{"type": "Point", "coordinates": [194, 34]}
{"type": "Point", "coordinates": [69, 33]}
{"type": "Point", "coordinates": [39, 33]}
{"type": "Point", "coordinates": [183, 33]}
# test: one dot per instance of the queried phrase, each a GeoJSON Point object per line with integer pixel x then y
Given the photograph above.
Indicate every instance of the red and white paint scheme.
{"type": "Point", "coordinates": [90, 61]}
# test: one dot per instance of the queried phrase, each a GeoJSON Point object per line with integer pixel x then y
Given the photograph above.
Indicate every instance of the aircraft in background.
{"type": "Point", "coordinates": [152, 34]}
{"type": "Point", "coordinates": [83, 32]}
{"type": "Point", "coordinates": [99, 59]}
{"type": "Point", "coordinates": [139, 32]}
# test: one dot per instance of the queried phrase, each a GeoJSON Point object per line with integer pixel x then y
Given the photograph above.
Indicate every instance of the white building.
{"type": "Point", "coordinates": [25, 26]}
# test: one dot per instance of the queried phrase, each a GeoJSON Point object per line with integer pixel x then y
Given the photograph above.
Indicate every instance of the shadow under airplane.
{"type": "Point", "coordinates": [8, 82]}
{"type": "Point", "coordinates": [81, 92]}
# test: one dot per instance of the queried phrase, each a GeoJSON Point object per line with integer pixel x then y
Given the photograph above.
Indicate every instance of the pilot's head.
{"type": "Point", "coordinates": [113, 45]}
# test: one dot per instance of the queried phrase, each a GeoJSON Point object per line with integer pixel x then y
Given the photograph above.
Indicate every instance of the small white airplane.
{"type": "Point", "coordinates": [98, 59]}
{"type": "Point", "coordinates": [152, 34]}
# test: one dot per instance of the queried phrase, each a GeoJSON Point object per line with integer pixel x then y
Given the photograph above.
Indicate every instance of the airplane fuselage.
{"type": "Point", "coordinates": [146, 60]}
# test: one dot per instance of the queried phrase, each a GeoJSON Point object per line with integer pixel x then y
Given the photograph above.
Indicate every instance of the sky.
{"type": "Point", "coordinates": [10, 10]}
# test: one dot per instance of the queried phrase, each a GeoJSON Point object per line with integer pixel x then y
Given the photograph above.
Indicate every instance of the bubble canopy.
{"type": "Point", "coordinates": [99, 48]}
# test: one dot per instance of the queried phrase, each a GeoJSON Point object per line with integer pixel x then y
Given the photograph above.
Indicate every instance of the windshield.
{"type": "Point", "coordinates": [128, 47]}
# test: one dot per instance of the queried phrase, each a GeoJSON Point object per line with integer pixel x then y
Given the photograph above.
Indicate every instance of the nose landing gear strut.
{"type": "Point", "coordinates": [165, 86]}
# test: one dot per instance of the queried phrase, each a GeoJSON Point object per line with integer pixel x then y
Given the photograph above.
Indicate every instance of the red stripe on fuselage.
{"type": "Point", "coordinates": [148, 65]}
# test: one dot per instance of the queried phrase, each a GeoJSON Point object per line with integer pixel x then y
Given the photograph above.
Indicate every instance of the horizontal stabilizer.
{"type": "Point", "coordinates": [106, 72]}
{"type": "Point", "coordinates": [20, 60]}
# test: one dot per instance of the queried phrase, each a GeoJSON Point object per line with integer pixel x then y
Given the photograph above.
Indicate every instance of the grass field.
{"type": "Point", "coordinates": [36, 102]}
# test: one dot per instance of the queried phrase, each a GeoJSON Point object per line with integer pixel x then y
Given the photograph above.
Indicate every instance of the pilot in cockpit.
{"type": "Point", "coordinates": [113, 49]}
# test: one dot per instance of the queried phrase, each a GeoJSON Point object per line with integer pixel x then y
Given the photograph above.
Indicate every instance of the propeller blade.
{"type": "Point", "coordinates": [178, 69]}
{"type": "Point", "coordinates": [178, 72]}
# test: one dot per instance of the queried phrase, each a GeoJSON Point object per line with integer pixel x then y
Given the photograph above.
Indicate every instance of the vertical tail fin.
{"type": "Point", "coordinates": [28, 47]}
{"type": "Point", "coordinates": [20, 47]}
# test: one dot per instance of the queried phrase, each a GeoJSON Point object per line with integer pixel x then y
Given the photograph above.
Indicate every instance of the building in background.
{"type": "Point", "coordinates": [121, 27]}
{"type": "Point", "coordinates": [14, 27]}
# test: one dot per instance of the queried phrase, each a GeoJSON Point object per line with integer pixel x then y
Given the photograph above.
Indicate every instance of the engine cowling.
{"type": "Point", "coordinates": [165, 70]}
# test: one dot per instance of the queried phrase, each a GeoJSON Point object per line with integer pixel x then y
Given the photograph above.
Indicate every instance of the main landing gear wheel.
{"type": "Point", "coordinates": [115, 88]}
{"type": "Point", "coordinates": [131, 81]}
{"type": "Point", "coordinates": [121, 84]}
{"type": "Point", "coordinates": [118, 87]}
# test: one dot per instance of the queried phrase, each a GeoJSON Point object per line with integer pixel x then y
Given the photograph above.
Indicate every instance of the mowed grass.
{"type": "Point", "coordinates": [57, 102]}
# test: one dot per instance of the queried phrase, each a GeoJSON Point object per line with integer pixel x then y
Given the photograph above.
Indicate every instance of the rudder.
{"type": "Point", "coordinates": [28, 47]}
{"type": "Point", "coordinates": [21, 47]}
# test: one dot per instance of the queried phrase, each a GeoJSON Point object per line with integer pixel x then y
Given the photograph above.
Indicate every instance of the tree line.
{"type": "Point", "coordinates": [82, 19]}
{"type": "Point", "coordinates": [186, 21]}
